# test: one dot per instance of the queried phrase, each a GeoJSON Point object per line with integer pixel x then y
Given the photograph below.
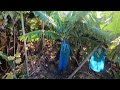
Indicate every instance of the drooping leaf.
{"type": "Point", "coordinates": [31, 36]}
{"type": "Point", "coordinates": [42, 15]}
{"type": "Point", "coordinates": [52, 35]}
{"type": "Point", "coordinates": [37, 35]}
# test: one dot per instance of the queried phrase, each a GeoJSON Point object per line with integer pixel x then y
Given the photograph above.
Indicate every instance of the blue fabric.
{"type": "Point", "coordinates": [97, 60]}
{"type": "Point", "coordinates": [118, 58]}
{"type": "Point", "coordinates": [64, 56]}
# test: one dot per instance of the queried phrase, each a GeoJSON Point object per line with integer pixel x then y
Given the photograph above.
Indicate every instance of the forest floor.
{"type": "Point", "coordinates": [50, 72]}
{"type": "Point", "coordinates": [46, 67]}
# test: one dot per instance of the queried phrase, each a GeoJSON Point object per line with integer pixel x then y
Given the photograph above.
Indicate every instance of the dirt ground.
{"type": "Point", "coordinates": [46, 67]}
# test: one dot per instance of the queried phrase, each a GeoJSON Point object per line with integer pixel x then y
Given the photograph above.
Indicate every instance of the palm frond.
{"type": "Point", "coordinates": [37, 35]}
{"type": "Point", "coordinates": [32, 36]}
{"type": "Point", "coordinates": [43, 16]}
{"type": "Point", "coordinates": [52, 35]}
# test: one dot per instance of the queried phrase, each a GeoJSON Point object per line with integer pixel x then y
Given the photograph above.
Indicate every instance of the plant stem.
{"type": "Point", "coordinates": [14, 52]}
{"type": "Point", "coordinates": [43, 35]}
{"type": "Point", "coordinates": [26, 58]}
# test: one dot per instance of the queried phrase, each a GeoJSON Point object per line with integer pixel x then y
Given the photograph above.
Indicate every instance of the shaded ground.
{"type": "Point", "coordinates": [50, 72]}
{"type": "Point", "coordinates": [46, 67]}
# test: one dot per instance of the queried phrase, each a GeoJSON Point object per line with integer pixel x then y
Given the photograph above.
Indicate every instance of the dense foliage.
{"type": "Point", "coordinates": [83, 30]}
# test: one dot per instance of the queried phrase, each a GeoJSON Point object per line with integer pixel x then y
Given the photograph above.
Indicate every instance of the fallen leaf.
{"type": "Point", "coordinates": [17, 61]}
{"type": "Point", "coordinates": [11, 58]}
{"type": "Point", "coordinates": [9, 75]}
{"type": "Point", "coordinates": [26, 48]}
{"type": "Point", "coordinates": [17, 55]}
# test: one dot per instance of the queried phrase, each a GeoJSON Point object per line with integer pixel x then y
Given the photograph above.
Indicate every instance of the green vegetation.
{"type": "Point", "coordinates": [27, 38]}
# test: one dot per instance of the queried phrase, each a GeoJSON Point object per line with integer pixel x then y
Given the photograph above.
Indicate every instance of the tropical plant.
{"type": "Point", "coordinates": [76, 27]}
{"type": "Point", "coordinates": [82, 30]}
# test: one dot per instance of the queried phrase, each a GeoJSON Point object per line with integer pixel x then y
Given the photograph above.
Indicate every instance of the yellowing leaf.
{"type": "Point", "coordinates": [115, 43]}
{"type": "Point", "coordinates": [11, 58]}
{"type": "Point", "coordinates": [26, 48]}
{"type": "Point", "coordinates": [113, 46]}
{"type": "Point", "coordinates": [17, 61]}
{"type": "Point", "coordinates": [17, 55]}
{"type": "Point", "coordinates": [9, 75]}
{"type": "Point", "coordinates": [37, 39]}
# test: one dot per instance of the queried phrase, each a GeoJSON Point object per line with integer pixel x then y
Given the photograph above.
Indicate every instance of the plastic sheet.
{"type": "Point", "coordinates": [64, 56]}
{"type": "Point", "coordinates": [97, 60]}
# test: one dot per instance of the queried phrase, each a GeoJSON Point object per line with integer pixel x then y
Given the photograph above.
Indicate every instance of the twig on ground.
{"type": "Point", "coordinates": [89, 75]}
{"type": "Point", "coordinates": [74, 58]}
{"type": "Point", "coordinates": [83, 62]}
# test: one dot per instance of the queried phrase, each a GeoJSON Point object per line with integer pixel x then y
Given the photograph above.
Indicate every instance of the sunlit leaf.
{"type": "Point", "coordinates": [17, 61]}
{"type": "Point", "coordinates": [17, 55]}
{"type": "Point", "coordinates": [11, 58]}
{"type": "Point", "coordinates": [113, 45]}
{"type": "Point", "coordinates": [9, 75]}
{"type": "Point", "coordinates": [26, 48]}
{"type": "Point", "coordinates": [114, 26]}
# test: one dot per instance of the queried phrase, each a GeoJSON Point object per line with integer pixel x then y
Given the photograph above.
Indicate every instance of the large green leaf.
{"type": "Point", "coordinates": [105, 18]}
{"type": "Point", "coordinates": [32, 36]}
{"type": "Point", "coordinates": [37, 35]}
{"type": "Point", "coordinates": [43, 16]}
{"type": "Point", "coordinates": [52, 35]}
{"type": "Point", "coordinates": [114, 26]}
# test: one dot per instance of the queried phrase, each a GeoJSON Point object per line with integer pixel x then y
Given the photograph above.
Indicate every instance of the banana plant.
{"type": "Point", "coordinates": [37, 34]}
{"type": "Point", "coordinates": [74, 27]}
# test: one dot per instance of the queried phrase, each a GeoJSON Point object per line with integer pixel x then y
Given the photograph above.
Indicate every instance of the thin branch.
{"type": "Point", "coordinates": [74, 58]}
{"type": "Point", "coordinates": [43, 35]}
{"type": "Point", "coordinates": [14, 49]}
{"type": "Point", "coordinates": [83, 62]}
{"type": "Point", "coordinates": [26, 58]}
